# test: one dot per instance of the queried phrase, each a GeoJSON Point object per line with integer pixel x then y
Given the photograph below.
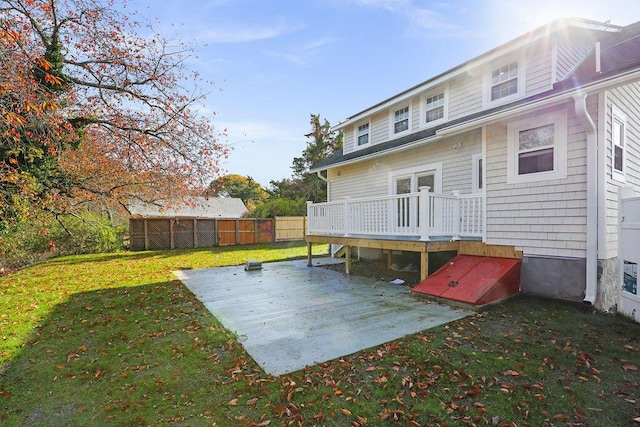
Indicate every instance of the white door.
{"type": "Point", "coordinates": [407, 209]}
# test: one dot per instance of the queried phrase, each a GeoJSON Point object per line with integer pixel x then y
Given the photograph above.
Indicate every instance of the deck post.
{"type": "Point", "coordinates": [347, 216]}
{"type": "Point", "coordinates": [424, 213]}
{"type": "Point", "coordinates": [347, 256]}
{"type": "Point", "coordinates": [424, 265]}
{"type": "Point", "coordinates": [309, 217]}
{"type": "Point", "coordinates": [309, 254]}
{"type": "Point", "coordinates": [456, 215]}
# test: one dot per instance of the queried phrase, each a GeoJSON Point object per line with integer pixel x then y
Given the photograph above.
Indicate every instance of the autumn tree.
{"type": "Point", "coordinates": [92, 113]}
{"type": "Point", "coordinates": [238, 186]}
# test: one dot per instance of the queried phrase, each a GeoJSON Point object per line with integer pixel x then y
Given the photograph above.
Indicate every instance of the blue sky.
{"type": "Point", "coordinates": [274, 62]}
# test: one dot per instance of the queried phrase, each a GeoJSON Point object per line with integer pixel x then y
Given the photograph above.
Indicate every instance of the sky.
{"type": "Point", "coordinates": [276, 62]}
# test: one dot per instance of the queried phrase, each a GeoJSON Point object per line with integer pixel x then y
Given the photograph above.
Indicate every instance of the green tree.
{"type": "Point", "coordinates": [241, 187]}
{"type": "Point", "coordinates": [322, 143]}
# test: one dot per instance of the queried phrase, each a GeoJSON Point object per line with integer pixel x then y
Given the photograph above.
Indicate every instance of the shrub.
{"type": "Point", "coordinates": [43, 236]}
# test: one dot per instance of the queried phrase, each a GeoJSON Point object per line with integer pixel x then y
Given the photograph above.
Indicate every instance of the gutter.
{"type": "Point", "coordinates": [591, 288]}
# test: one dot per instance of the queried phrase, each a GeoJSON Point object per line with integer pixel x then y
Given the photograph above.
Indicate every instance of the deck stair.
{"type": "Point", "coordinates": [473, 280]}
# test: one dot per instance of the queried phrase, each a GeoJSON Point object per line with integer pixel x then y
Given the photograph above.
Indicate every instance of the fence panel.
{"type": "Point", "coordinates": [205, 233]}
{"type": "Point", "coordinates": [226, 232]}
{"type": "Point", "coordinates": [159, 234]}
{"type": "Point", "coordinates": [265, 230]}
{"type": "Point", "coordinates": [183, 233]}
{"type": "Point", "coordinates": [290, 228]}
{"type": "Point", "coordinates": [136, 234]}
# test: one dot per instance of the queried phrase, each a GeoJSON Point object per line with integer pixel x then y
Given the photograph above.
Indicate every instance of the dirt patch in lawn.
{"type": "Point", "coordinates": [405, 267]}
{"type": "Point", "coordinates": [377, 269]}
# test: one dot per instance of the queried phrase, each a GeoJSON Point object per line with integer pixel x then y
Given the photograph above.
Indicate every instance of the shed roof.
{"type": "Point", "coordinates": [196, 207]}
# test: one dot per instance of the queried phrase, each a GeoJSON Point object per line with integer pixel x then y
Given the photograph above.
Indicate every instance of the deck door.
{"type": "Point", "coordinates": [408, 210]}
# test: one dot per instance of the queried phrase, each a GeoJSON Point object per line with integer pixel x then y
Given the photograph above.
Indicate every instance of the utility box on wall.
{"type": "Point", "coordinates": [628, 254]}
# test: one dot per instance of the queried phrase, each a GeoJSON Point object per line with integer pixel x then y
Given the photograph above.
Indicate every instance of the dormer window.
{"type": "Point", "coordinates": [434, 108]}
{"type": "Point", "coordinates": [504, 81]}
{"type": "Point", "coordinates": [362, 137]}
{"type": "Point", "coordinates": [400, 120]}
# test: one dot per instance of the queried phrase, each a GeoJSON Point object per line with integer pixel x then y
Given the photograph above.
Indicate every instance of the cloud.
{"type": "Point", "coordinates": [421, 19]}
{"type": "Point", "coordinates": [304, 54]}
{"type": "Point", "coordinates": [242, 33]}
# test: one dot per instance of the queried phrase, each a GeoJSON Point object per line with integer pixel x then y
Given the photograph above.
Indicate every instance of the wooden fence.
{"type": "Point", "coordinates": [290, 228]}
{"type": "Point", "coordinates": [177, 233]}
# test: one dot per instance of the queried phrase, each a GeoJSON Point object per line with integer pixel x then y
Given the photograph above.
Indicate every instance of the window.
{"type": "Point", "coordinates": [477, 171]}
{"type": "Point", "coordinates": [618, 145]}
{"type": "Point", "coordinates": [400, 121]}
{"type": "Point", "coordinates": [434, 108]}
{"type": "Point", "coordinates": [504, 81]}
{"type": "Point", "coordinates": [362, 135]}
{"type": "Point", "coordinates": [537, 148]}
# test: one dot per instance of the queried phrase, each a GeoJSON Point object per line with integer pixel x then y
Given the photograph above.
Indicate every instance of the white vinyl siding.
{"type": "Point", "coordinates": [465, 95]}
{"type": "Point", "coordinates": [371, 177]}
{"type": "Point", "coordinates": [348, 140]}
{"type": "Point", "coordinates": [570, 53]}
{"type": "Point", "coordinates": [380, 128]}
{"type": "Point", "coordinates": [624, 98]}
{"type": "Point", "coordinates": [545, 218]}
{"type": "Point", "coordinates": [538, 70]}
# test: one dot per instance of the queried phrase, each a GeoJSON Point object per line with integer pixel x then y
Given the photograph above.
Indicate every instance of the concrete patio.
{"type": "Point", "coordinates": [289, 316]}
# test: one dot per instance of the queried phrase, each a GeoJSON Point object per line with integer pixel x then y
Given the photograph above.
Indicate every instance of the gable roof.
{"type": "Point", "coordinates": [196, 207]}
{"type": "Point", "coordinates": [619, 57]}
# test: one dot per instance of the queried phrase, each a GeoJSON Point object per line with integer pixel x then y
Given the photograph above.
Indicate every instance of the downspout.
{"type": "Point", "coordinates": [591, 289]}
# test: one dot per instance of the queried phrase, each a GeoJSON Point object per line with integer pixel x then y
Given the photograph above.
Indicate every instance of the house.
{"type": "Point", "coordinates": [520, 151]}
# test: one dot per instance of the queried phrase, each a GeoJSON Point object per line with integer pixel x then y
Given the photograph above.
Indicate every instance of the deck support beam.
{"type": "Point", "coordinates": [422, 247]}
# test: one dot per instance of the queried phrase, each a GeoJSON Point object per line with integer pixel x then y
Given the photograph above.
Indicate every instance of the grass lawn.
{"type": "Point", "coordinates": [116, 340]}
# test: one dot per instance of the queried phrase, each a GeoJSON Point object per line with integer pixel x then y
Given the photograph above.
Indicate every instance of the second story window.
{"type": "Point", "coordinates": [401, 120]}
{"type": "Point", "coordinates": [504, 81]}
{"type": "Point", "coordinates": [434, 108]}
{"type": "Point", "coordinates": [363, 134]}
{"type": "Point", "coordinates": [618, 146]}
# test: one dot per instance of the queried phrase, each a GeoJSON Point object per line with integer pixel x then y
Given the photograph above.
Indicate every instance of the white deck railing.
{"type": "Point", "coordinates": [450, 216]}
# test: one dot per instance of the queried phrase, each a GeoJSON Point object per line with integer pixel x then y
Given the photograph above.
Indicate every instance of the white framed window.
{"type": "Point", "coordinates": [477, 170]}
{"type": "Point", "coordinates": [363, 135]}
{"type": "Point", "coordinates": [409, 180]}
{"type": "Point", "coordinates": [504, 83]}
{"type": "Point", "coordinates": [618, 144]}
{"type": "Point", "coordinates": [537, 148]}
{"type": "Point", "coordinates": [434, 108]}
{"type": "Point", "coordinates": [400, 120]}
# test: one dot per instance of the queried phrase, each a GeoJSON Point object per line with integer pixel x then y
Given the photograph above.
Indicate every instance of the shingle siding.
{"type": "Point", "coordinates": [545, 218]}
{"type": "Point", "coordinates": [625, 99]}
{"type": "Point", "coordinates": [569, 54]}
{"type": "Point", "coordinates": [371, 178]}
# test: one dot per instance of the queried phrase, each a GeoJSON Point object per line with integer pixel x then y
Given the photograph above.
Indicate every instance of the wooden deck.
{"type": "Point", "coordinates": [424, 248]}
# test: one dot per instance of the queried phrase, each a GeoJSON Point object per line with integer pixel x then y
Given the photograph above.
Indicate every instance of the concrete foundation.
{"type": "Point", "coordinates": [562, 278]}
{"type": "Point", "coordinates": [608, 285]}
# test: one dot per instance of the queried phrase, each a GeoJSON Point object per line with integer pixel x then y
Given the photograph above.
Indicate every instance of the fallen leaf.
{"type": "Point", "coordinates": [346, 412]}
{"type": "Point", "coordinates": [233, 402]}
{"type": "Point", "coordinates": [629, 367]}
